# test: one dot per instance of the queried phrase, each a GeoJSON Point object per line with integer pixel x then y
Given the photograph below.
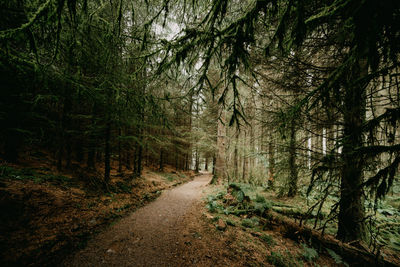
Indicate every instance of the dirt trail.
{"type": "Point", "coordinates": [151, 236]}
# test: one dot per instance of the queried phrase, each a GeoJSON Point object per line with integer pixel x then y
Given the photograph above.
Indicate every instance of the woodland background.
{"type": "Point", "coordinates": [300, 98]}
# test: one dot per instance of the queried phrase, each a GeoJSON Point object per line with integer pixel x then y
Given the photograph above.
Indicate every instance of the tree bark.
{"type": "Point", "coordinates": [220, 167]}
{"type": "Point", "coordinates": [293, 176]}
{"type": "Point", "coordinates": [197, 163]}
{"type": "Point", "coordinates": [271, 165]}
{"type": "Point", "coordinates": [119, 151]}
{"type": "Point", "coordinates": [245, 159]}
{"type": "Point", "coordinates": [107, 152]}
{"type": "Point", "coordinates": [161, 160]}
{"type": "Point", "coordinates": [351, 225]}
{"type": "Point", "coordinates": [236, 157]}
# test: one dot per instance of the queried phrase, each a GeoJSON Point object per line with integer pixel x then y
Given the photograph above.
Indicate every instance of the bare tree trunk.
{"type": "Point", "coordinates": [351, 225]}
{"type": "Point", "coordinates": [235, 157]}
{"type": "Point", "coordinates": [251, 155]}
{"type": "Point", "coordinates": [119, 151]}
{"type": "Point", "coordinates": [245, 160]}
{"type": "Point", "coordinates": [214, 160]}
{"type": "Point", "coordinates": [293, 176]}
{"type": "Point", "coordinates": [107, 152]}
{"type": "Point", "coordinates": [220, 167]}
{"type": "Point", "coordinates": [161, 161]}
{"type": "Point", "coordinates": [128, 160]}
{"type": "Point", "coordinates": [197, 159]}
{"type": "Point", "coordinates": [271, 165]}
{"type": "Point", "coordinates": [91, 156]}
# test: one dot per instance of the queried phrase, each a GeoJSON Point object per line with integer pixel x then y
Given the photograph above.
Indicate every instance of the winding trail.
{"type": "Point", "coordinates": [151, 236]}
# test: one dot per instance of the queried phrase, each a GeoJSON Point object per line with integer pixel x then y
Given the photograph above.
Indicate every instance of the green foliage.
{"type": "Point", "coordinates": [260, 208]}
{"type": "Point", "coordinates": [238, 194]}
{"type": "Point", "coordinates": [212, 205]}
{"type": "Point", "coordinates": [170, 177]}
{"type": "Point", "coordinates": [124, 187]}
{"type": "Point", "coordinates": [309, 254]}
{"type": "Point", "coordinates": [220, 195]}
{"type": "Point", "coordinates": [216, 218]}
{"type": "Point", "coordinates": [247, 223]}
{"type": "Point", "coordinates": [389, 235]}
{"type": "Point", "coordinates": [7, 172]}
{"type": "Point", "coordinates": [337, 258]}
{"type": "Point", "coordinates": [282, 260]}
{"type": "Point", "coordinates": [260, 199]}
{"type": "Point", "coordinates": [250, 223]}
{"type": "Point", "coordinates": [268, 239]}
{"type": "Point", "coordinates": [230, 222]}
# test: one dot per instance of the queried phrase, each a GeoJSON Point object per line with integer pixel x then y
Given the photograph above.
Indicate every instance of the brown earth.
{"type": "Point", "coordinates": [46, 216]}
{"type": "Point", "coordinates": [174, 230]}
{"type": "Point", "coordinates": [152, 236]}
{"type": "Point", "coordinates": [177, 230]}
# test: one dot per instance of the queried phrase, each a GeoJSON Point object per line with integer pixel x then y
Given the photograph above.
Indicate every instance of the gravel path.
{"type": "Point", "coordinates": [151, 236]}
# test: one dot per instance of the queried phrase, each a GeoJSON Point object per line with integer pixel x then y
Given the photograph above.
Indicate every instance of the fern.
{"type": "Point", "coordinates": [309, 254]}
{"type": "Point", "coordinates": [336, 257]}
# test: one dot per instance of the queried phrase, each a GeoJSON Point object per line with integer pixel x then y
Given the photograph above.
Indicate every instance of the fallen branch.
{"type": "Point", "coordinates": [295, 213]}
{"type": "Point", "coordinates": [356, 256]}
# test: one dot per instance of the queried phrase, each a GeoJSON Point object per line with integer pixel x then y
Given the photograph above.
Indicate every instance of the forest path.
{"type": "Point", "coordinates": [153, 235]}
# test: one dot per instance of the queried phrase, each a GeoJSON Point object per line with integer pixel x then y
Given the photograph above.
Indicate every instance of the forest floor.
{"type": "Point", "coordinates": [161, 219]}
{"type": "Point", "coordinates": [46, 215]}
{"type": "Point", "coordinates": [178, 230]}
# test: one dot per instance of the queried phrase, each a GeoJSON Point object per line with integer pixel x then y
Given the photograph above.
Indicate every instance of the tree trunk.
{"type": "Point", "coordinates": [12, 142]}
{"type": "Point", "coordinates": [214, 159]}
{"type": "Point", "coordinates": [107, 152]}
{"type": "Point", "coordinates": [351, 225]}
{"type": "Point", "coordinates": [220, 168]}
{"type": "Point", "coordinates": [90, 157]}
{"type": "Point", "coordinates": [293, 176]}
{"type": "Point", "coordinates": [235, 157]}
{"type": "Point", "coordinates": [79, 151]}
{"type": "Point", "coordinates": [176, 156]}
{"type": "Point", "coordinates": [245, 160]}
{"type": "Point", "coordinates": [68, 149]}
{"type": "Point", "coordinates": [128, 160]}
{"type": "Point", "coordinates": [271, 165]}
{"type": "Point", "coordinates": [119, 152]}
{"type": "Point", "coordinates": [197, 163]}
{"type": "Point", "coordinates": [251, 150]}
{"type": "Point", "coordinates": [161, 160]}
{"type": "Point", "coordinates": [59, 156]}
{"type": "Point", "coordinates": [135, 170]}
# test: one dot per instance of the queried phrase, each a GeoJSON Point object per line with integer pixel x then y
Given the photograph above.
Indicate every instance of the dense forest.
{"type": "Point", "coordinates": [294, 102]}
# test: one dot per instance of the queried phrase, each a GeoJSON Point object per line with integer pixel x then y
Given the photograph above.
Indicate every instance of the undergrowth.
{"type": "Point", "coordinates": [7, 172]}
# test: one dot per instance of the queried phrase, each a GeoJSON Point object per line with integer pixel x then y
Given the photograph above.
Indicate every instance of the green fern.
{"type": "Point", "coordinates": [336, 257]}
{"type": "Point", "coordinates": [309, 254]}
